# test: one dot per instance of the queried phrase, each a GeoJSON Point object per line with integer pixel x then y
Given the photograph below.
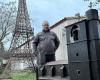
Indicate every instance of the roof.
{"type": "Point", "coordinates": [65, 19]}
{"type": "Point", "coordinates": [76, 23]}
{"type": "Point", "coordinates": [59, 62]}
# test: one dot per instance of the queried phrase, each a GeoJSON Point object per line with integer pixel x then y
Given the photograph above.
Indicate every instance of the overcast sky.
{"type": "Point", "coordinates": [53, 10]}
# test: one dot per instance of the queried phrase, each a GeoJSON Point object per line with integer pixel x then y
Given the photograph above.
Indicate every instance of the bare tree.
{"type": "Point", "coordinates": [7, 19]}
{"type": "Point", "coordinates": [93, 0]}
{"type": "Point", "coordinates": [93, 3]}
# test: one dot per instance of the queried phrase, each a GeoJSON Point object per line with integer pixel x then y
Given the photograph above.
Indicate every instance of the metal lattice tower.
{"type": "Point", "coordinates": [21, 45]}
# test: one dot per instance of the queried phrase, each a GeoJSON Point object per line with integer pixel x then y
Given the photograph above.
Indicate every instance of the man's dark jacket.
{"type": "Point", "coordinates": [46, 42]}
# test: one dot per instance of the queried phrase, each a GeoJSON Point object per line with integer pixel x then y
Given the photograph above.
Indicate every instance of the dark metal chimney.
{"type": "Point", "coordinates": [92, 14]}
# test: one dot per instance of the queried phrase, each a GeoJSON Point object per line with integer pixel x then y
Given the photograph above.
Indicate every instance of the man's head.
{"type": "Point", "coordinates": [45, 25]}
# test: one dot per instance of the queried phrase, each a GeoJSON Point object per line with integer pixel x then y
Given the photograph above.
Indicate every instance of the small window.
{"type": "Point", "coordinates": [43, 71]}
{"type": "Point", "coordinates": [64, 72]}
{"type": "Point", "coordinates": [75, 33]}
{"type": "Point", "coordinates": [53, 71]}
{"type": "Point", "coordinates": [77, 54]}
{"type": "Point", "coordinates": [78, 73]}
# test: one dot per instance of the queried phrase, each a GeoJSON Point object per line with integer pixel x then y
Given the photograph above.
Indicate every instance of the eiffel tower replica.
{"type": "Point", "coordinates": [21, 44]}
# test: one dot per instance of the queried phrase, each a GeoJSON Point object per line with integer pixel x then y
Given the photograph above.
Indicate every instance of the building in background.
{"type": "Point", "coordinates": [58, 28]}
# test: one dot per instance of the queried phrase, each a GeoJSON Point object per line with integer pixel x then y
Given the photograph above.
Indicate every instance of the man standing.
{"type": "Point", "coordinates": [45, 44]}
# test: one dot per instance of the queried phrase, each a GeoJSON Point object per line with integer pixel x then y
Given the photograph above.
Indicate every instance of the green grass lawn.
{"type": "Point", "coordinates": [24, 76]}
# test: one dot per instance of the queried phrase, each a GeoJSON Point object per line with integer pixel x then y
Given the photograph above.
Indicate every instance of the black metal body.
{"type": "Point", "coordinates": [84, 47]}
